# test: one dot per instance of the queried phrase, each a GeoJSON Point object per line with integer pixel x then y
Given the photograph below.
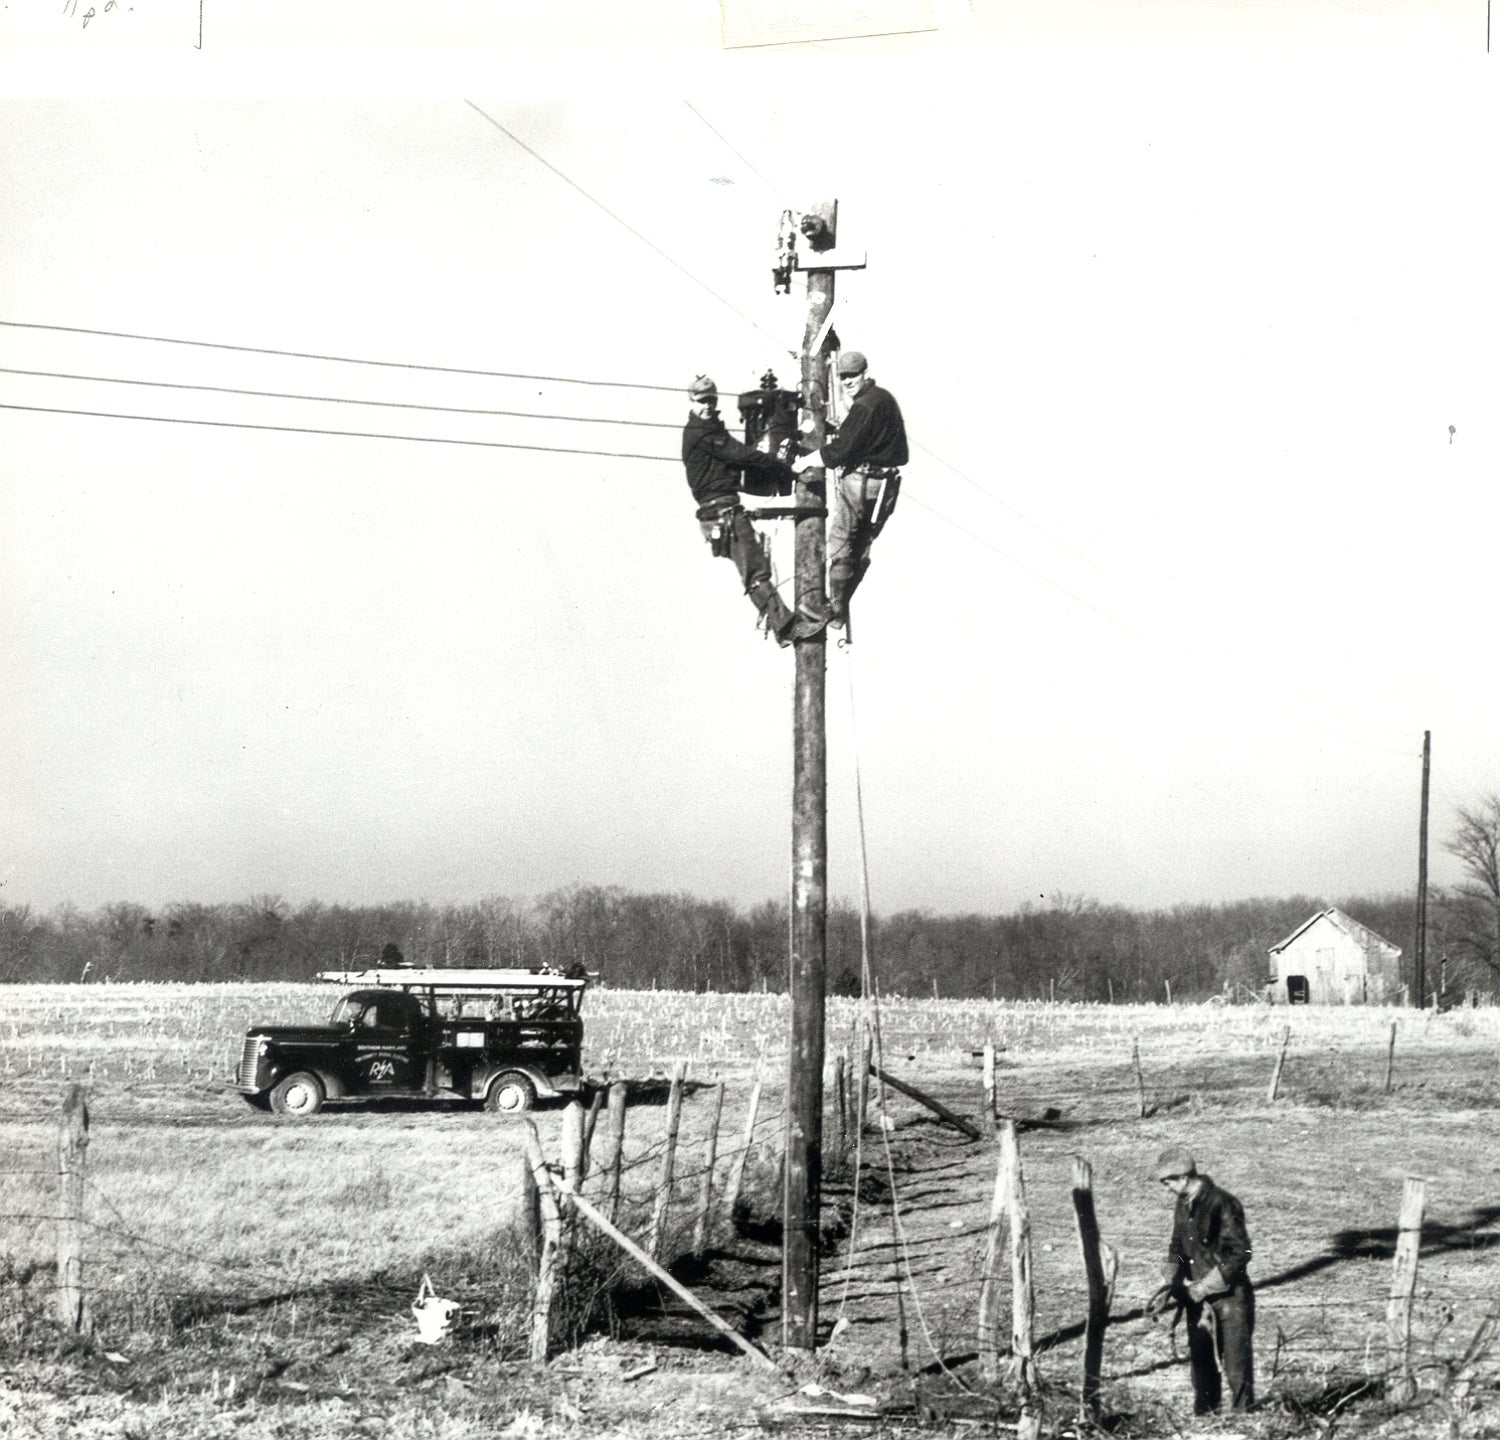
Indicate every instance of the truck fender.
{"type": "Point", "coordinates": [480, 1086]}
{"type": "Point", "coordinates": [333, 1084]}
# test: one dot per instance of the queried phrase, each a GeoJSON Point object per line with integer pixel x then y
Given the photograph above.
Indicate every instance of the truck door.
{"type": "Point", "coordinates": [384, 1045]}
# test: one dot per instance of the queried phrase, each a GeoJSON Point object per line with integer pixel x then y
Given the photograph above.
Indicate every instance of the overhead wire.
{"type": "Point", "coordinates": [735, 152]}
{"type": "Point", "coordinates": [626, 225]}
{"type": "Point", "coordinates": [337, 359]}
{"type": "Point", "coordinates": [347, 434]}
{"type": "Point", "coordinates": [334, 399]}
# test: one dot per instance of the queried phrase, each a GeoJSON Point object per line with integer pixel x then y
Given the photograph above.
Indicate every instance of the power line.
{"type": "Point", "coordinates": [334, 399]}
{"type": "Point", "coordinates": [751, 168]}
{"type": "Point", "coordinates": [625, 224]}
{"type": "Point", "coordinates": [1136, 633]}
{"type": "Point", "coordinates": [1022, 565]}
{"type": "Point", "coordinates": [349, 434]}
{"type": "Point", "coordinates": [339, 359]}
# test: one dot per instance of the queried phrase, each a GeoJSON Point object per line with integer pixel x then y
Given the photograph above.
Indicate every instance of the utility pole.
{"type": "Point", "coordinates": [803, 1184]}
{"type": "Point", "coordinates": [1419, 952]}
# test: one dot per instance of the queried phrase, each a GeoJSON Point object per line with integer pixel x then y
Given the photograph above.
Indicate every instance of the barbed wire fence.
{"type": "Point", "coordinates": [1312, 1346]}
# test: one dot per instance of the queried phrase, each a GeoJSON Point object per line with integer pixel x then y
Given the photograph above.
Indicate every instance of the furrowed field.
{"type": "Point", "coordinates": [251, 1275]}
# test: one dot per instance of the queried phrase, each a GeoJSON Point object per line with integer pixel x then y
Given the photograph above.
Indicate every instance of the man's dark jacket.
{"type": "Point", "coordinates": [873, 434]}
{"type": "Point", "coordinates": [713, 459]}
{"type": "Point", "coordinates": [1208, 1234]}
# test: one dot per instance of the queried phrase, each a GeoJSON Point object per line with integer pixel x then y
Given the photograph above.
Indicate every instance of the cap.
{"type": "Point", "coordinates": [702, 386]}
{"type": "Point", "coordinates": [851, 362]}
{"type": "Point", "coordinates": [1175, 1160]}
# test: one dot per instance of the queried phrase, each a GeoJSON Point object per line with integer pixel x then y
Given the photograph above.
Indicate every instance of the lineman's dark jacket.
{"type": "Point", "coordinates": [873, 434]}
{"type": "Point", "coordinates": [712, 458]}
{"type": "Point", "coordinates": [1208, 1233]}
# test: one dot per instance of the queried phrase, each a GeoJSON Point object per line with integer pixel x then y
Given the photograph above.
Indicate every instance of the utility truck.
{"type": "Point", "coordinates": [501, 1038]}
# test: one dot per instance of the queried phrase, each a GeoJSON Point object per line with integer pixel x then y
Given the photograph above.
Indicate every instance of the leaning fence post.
{"type": "Point", "coordinates": [1093, 1269]}
{"type": "Point", "coordinates": [1286, 1039]}
{"type": "Point", "coordinates": [596, 1103]}
{"type": "Point", "coordinates": [1140, 1077]}
{"type": "Point", "coordinates": [668, 1163]}
{"type": "Point", "coordinates": [1400, 1385]}
{"type": "Point", "coordinates": [1390, 1058]}
{"type": "Point", "coordinates": [547, 1261]}
{"type": "Point", "coordinates": [737, 1169]}
{"type": "Point", "coordinates": [710, 1158]}
{"type": "Point", "coordinates": [72, 1145]}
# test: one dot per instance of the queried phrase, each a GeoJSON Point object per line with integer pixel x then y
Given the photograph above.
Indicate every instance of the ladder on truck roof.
{"type": "Point", "coordinates": [415, 977]}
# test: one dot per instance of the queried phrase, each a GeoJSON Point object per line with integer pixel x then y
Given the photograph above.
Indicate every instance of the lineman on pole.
{"type": "Point", "coordinates": [868, 452]}
{"type": "Point", "coordinates": [718, 467]}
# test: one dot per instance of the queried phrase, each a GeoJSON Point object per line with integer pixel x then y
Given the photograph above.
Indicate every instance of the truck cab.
{"type": "Point", "coordinates": [503, 1038]}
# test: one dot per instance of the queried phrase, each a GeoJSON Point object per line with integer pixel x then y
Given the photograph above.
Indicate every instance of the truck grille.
{"type": "Point", "coordinates": [246, 1073]}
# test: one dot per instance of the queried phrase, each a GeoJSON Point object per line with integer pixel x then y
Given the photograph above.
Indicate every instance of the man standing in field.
{"type": "Point", "coordinates": [1205, 1273]}
{"type": "Point", "coordinates": [868, 452]}
{"type": "Point", "coordinates": [718, 467]}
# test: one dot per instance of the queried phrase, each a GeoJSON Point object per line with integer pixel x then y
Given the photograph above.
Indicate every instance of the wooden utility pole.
{"type": "Point", "coordinates": [814, 254]}
{"type": "Point", "coordinates": [803, 1184]}
{"type": "Point", "coordinates": [1419, 953]}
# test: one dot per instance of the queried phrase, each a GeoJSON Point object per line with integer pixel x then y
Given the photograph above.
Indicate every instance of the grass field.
{"type": "Point", "coordinates": [250, 1275]}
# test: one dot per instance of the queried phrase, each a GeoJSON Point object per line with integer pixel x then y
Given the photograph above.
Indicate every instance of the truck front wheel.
{"type": "Point", "coordinates": [511, 1094]}
{"type": "Point", "coordinates": [298, 1095]}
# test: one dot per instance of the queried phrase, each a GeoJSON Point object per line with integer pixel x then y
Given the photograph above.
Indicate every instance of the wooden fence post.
{"type": "Point", "coordinates": [862, 1090]}
{"type": "Point", "coordinates": [1022, 1370]}
{"type": "Point", "coordinates": [841, 1101]}
{"type": "Point", "coordinates": [747, 1143]}
{"type": "Point", "coordinates": [706, 1189]}
{"type": "Point", "coordinates": [989, 1302]}
{"type": "Point", "coordinates": [1390, 1058]}
{"type": "Point", "coordinates": [596, 1103]}
{"type": "Point", "coordinates": [1286, 1039]}
{"type": "Point", "coordinates": [668, 1163]}
{"type": "Point", "coordinates": [613, 1156]}
{"type": "Point", "coordinates": [572, 1143]}
{"type": "Point", "coordinates": [991, 1112]}
{"type": "Point", "coordinates": [547, 1261]}
{"type": "Point", "coordinates": [72, 1145]}
{"type": "Point", "coordinates": [1140, 1076]}
{"type": "Point", "coordinates": [1399, 1385]}
{"type": "Point", "coordinates": [1093, 1269]}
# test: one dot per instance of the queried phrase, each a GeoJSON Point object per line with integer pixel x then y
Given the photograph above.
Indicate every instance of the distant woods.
{"type": "Point", "coordinates": [1067, 949]}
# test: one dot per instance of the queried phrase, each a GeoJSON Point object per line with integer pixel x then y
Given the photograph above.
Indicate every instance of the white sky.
{"type": "Point", "coordinates": [1190, 308]}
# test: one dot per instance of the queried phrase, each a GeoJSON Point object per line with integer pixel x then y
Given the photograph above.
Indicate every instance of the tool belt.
{"type": "Point", "coordinates": [888, 478]}
{"type": "Point", "coordinates": [717, 521]}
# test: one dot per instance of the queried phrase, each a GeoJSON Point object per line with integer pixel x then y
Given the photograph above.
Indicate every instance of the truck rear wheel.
{"type": "Point", "coordinates": [511, 1094]}
{"type": "Point", "coordinates": [299, 1094]}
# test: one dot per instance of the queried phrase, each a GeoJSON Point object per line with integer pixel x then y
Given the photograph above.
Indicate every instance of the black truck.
{"type": "Point", "coordinates": [493, 1037]}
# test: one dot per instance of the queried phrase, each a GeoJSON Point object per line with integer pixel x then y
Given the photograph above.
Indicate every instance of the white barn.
{"type": "Point", "coordinates": [1333, 960]}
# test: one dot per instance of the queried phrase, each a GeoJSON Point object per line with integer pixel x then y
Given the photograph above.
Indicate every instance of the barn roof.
{"type": "Point", "coordinates": [1362, 935]}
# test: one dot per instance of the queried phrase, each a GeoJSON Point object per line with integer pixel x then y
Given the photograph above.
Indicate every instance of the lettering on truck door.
{"type": "Point", "coordinates": [383, 1045]}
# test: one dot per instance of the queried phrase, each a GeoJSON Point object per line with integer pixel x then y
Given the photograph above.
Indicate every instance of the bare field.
{"type": "Point", "coordinates": [254, 1276]}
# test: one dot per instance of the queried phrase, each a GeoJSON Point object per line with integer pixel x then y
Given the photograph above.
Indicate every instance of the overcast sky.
{"type": "Point", "coordinates": [1195, 340]}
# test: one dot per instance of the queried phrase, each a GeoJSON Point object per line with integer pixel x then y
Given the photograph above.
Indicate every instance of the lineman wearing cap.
{"type": "Point", "coordinates": [868, 451]}
{"type": "Point", "coordinates": [1205, 1274]}
{"type": "Point", "coordinates": [718, 468]}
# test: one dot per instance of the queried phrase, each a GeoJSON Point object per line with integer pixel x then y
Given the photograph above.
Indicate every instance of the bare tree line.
{"type": "Point", "coordinates": [1067, 949]}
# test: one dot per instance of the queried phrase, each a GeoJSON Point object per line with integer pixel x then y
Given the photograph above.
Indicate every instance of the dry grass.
{"type": "Point", "coordinates": [234, 1257]}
